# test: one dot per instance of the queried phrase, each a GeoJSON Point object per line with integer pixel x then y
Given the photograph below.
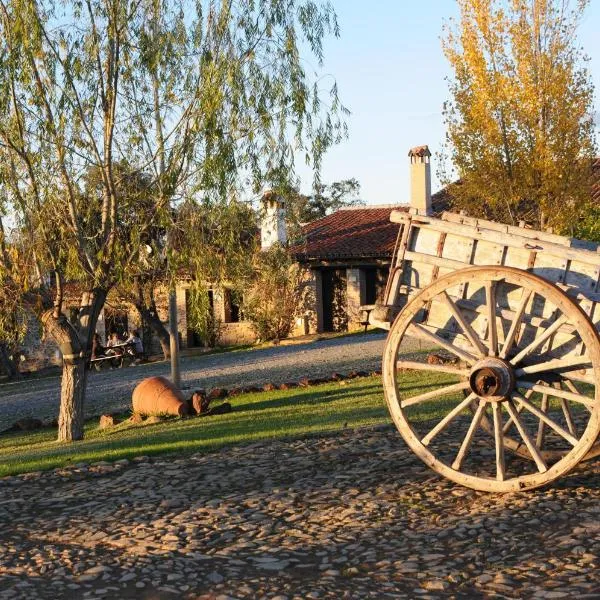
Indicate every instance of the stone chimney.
{"type": "Point", "coordinates": [272, 226]}
{"type": "Point", "coordinates": [420, 180]}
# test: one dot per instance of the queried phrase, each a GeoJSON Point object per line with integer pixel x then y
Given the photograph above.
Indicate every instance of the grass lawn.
{"type": "Point", "coordinates": [260, 416]}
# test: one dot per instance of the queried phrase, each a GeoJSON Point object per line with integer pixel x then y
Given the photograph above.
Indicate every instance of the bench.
{"type": "Point", "coordinates": [98, 362]}
{"type": "Point", "coordinates": [366, 313]}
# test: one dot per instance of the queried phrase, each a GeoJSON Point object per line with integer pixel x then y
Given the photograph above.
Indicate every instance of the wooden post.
{"type": "Point", "coordinates": [174, 339]}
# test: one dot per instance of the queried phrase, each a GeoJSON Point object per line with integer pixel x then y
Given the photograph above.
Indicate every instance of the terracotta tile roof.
{"type": "Point", "coordinates": [350, 233]}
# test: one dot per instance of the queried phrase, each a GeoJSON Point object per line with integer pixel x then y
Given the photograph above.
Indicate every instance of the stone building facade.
{"type": "Point", "coordinates": [345, 257]}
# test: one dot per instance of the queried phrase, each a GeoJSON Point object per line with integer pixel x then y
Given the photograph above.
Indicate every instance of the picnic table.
{"type": "Point", "coordinates": [114, 356]}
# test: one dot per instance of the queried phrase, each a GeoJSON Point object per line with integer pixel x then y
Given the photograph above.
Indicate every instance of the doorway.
{"type": "Point", "coordinates": [335, 304]}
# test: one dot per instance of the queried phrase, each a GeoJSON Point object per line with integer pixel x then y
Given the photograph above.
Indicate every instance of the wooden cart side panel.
{"type": "Point", "coordinates": [429, 248]}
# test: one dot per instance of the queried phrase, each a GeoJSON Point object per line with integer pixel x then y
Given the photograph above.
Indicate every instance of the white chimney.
{"type": "Point", "coordinates": [420, 180]}
{"type": "Point", "coordinates": [272, 228]}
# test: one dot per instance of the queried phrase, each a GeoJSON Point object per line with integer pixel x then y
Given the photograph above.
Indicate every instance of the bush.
{"type": "Point", "coordinates": [276, 295]}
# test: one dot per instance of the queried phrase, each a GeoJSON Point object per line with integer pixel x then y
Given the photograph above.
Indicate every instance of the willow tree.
{"type": "Point", "coordinates": [519, 123]}
{"type": "Point", "coordinates": [204, 96]}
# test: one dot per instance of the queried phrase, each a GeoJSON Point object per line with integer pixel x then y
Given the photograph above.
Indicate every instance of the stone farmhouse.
{"type": "Point", "coordinates": [346, 257]}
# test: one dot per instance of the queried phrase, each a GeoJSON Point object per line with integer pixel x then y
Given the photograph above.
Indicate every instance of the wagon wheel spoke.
{"type": "Point", "coordinates": [478, 346]}
{"type": "Point", "coordinates": [448, 419]}
{"type": "Point", "coordinates": [572, 388]}
{"type": "Point", "coordinates": [533, 450]}
{"type": "Point", "coordinates": [417, 330]}
{"type": "Point", "coordinates": [541, 432]}
{"type": "Point", "coordinates": [514, 326]}
{"type": "Point", "coordinates": [554, 365]}
{"type": "Point", "coordinates": [556, 392]}
{"type": "Point", "coordinates": [547, 420]}
{"type": "Point", "coordinates": [519, 409]}
{"type": "Point", "coordinates": [435, 394]}
{"type": "Point", "coordinates": [468, 439]}
{"type": "Point", "coordinates": [568, 417]}
{"type": "Point", "coordinates": [490, 298]}
{"type": "Point", "coordinates": [540, 339]}
{"type": "Point", "coordinates": [498, 436]}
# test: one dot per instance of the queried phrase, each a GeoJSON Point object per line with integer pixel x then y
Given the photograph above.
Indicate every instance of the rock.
{"type": "Point", "coordinates": [215, 577]}
{"type": "Point", "coordinates": [199, 402]}
{"type": "Point", "coordinates": [304, 382]}
{"type": "Point", "coordinates": [156, 396]}
{"type": "Point", "coordinates": [336, 377]}
{"type": "Point", "coordinates": [252, 389]}
{"type": "Point", "coordinates": [269, 387]}
{"type": "Point", "coordinates": [136, 418]}
{"type": "Point", "coordinates": [27, 424]}
{"type": "Point", "coordinates": [107, 421]}
{"type": "Point", "coordinates": [236, 391]}
{"type": "Point", "coordinates": [217, 394]}
{"type": "Point", "coordinates": [435, 358]}
{"type": "Point", "coordinates": [288, 385]}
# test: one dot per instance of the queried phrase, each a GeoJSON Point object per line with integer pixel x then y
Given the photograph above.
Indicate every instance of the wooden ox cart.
{"type": "Point", "coordinates": [507, 321]}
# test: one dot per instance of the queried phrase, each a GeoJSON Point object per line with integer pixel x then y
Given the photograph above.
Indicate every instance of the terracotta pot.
{"type": "Point", "coordinates": [157, 395]}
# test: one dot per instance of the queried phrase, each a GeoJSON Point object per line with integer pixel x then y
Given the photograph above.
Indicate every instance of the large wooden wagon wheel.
{"type": "Point", "coordinates": [527, 359]}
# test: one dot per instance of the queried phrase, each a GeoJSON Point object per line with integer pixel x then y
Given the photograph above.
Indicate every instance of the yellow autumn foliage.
{"type": "Point", "coordinates": [520, 126]}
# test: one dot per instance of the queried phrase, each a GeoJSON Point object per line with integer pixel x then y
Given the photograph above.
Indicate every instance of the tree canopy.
{"type": "Point", "coordinates": [520, 124]}
{"type": "Point", "coordinates": [197, 98]}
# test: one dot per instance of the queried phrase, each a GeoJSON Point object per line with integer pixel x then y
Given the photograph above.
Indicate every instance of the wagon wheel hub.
{"type": "Point", "coordinates": [492, 379]}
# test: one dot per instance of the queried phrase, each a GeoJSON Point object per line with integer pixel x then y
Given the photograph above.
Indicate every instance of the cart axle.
{"type": "Point", "coordinates": [492, 379]}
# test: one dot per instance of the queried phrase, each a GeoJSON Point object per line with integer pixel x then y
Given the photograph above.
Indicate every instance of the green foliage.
{"type": "Point", "coordinates": [588, 227]}
{"type": "Point", "coordinates": [201, 317]}
{"type": "Point", "coordinates": [214, 241]}
{"type": "Point", "coordinates": [13, 287]}
{"type": "Point", "coordinates": [192, 100]}
{"type": "Point", "coordinates": [276, 295]}
{"type": "Point", "coordinates": [325, 199]}
{"type": "Point", "coordinates": [13, 317]}
{"type": "Point", "coordinates": [520, 128]}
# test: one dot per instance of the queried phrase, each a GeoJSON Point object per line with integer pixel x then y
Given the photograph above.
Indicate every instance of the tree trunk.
{"type": "Point", "coordinates": [150, 316]}
{"type": "Point", "coordinates": [72, 391]}
{"type": "Point", "coordinates": [72, 396]}
{"type": "Point", "coordinates": [75, 346]}
{"type": "Point", "coordinates": [7, 363]}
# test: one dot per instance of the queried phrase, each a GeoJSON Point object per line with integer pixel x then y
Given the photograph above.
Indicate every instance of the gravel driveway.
{"type": "Point", "coordinates": [110, 391]}
{"type": "Point", "coordinates": [345, 516]}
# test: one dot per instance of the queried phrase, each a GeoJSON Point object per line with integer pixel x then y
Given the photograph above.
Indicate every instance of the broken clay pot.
{"type": "Point", "coordinates": [156, 396]}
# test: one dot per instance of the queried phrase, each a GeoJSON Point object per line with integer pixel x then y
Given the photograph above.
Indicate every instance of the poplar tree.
{"type": "Point", "coordinates": [519, 122]}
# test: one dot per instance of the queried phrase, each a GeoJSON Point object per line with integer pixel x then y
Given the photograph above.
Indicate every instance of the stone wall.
{"type": "Point", "coordinates": [234, 334]}
{"type": "Point", "coordinates": [36, 351]}
{"type": "Point", "coordinates": [355, 296]}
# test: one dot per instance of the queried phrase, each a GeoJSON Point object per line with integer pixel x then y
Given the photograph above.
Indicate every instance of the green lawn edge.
{"type": "Point", "coordinates": [257, 417]}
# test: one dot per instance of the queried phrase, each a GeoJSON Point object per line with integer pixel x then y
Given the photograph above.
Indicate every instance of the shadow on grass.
{"type": "Point", "coordinates": [281, 414]}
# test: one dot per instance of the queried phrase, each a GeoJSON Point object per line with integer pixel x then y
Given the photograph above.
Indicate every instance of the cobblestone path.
{"type": "Point", "coordinates": [351, 515]}
{"type": "Point", "coordinates": [110, 391]}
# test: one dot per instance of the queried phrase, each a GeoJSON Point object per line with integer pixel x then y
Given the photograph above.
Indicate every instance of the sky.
{"type": "Point", "coordinates": [390, 70]}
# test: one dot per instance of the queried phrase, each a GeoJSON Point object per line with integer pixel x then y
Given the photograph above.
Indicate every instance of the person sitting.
{"type": "Point", "coordinates": [136, 345]}
{"type": "Point", "coordinates": [114, 348]}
